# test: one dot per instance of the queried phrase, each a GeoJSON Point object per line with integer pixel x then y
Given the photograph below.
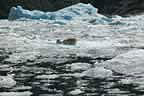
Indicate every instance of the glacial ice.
{"type": "Point", "coordinates": [80, 66]}
{"type": "Point", "coordinates": [130, 63]}
{"type": "Point", "coordinates": [78, 11]}
{"type": "Point", "coordinates": [27, 93]}
{"type": "Point", "coordinates": [76, 92]}
{"type": "Point", "coordinates": [104, 48]}
{"type": "Point", "coordinates": [47, 76]}
{"type": "Point", "coordinates": [97, 72]}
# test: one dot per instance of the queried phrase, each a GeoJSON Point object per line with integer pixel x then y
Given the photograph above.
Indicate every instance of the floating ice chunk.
{"type": "Point", "coordinates": [77, 75]}
{"type": "Point", "coordinates": [129, 63]}
{"type": "Point", "coordinates": [27, 93]}
{"type": "Point", "coordinates": [47, 76]}
{"type": "Point", "coordinates": [76, 92]}
{"type": "Point", "coordinates": [126, 81]}
{"type": "Point", "coordinates": [66, 14]}
{"type": "Point", "coordinates": [19, 88]}
{"type": "Point", "coordinates": [80, 66]}
{"type": "Point", "coordinates": [97, 72]}
{"type": "Point", "coordinates": [7, 81]}
{"type": "Point", "coordinates": [62, 16]}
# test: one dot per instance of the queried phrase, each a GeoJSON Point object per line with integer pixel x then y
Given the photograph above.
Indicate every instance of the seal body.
{"type": "Point", "coordinates": [68, 41]}
{"type": "Point", "coordinates": [106, 7]}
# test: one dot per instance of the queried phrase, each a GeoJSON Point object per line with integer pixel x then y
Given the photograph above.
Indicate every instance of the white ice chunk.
{"type": "Point", "coordinates": [47, 76]}
{"type": "Point", "coordinates": [97, 72]}
{"type": "Point", "coordinates": [129, 63]}
{"type": "Point", "coordinates": [79, 11]}
{"type": "Point", "coordinates": [76, 92]}
{"type": "Point", "coordinates": [7, 81]}
{"type": "Point", "coordinates": [27, 93]}
{"type": "Point", "coordinates": [80, 66]}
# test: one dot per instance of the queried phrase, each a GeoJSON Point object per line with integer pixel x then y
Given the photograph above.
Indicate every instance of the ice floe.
{"type": "Point", "coordinates": [130, 63]}
{"type": "Point", "coordinates": [97, 72]}
{"type": "Point", "coordinates": [27, 93]}
{"type": "Point", "coordinates": [47, 76]}
{"type": "Point", "coordinates": [76, 92]}
{"type": "Point", "coordinates": [7, 81]}
{"type": "Point", "coordinates": [80, 66]}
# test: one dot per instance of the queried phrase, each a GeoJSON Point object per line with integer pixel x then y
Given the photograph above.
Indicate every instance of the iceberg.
{"type": "Point", "coordinates": [64, 14]}
{"type": "Point", "coordinates": [61, 16]}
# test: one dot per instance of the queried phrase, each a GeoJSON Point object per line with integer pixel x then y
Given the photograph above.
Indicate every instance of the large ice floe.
{"type": "Point", "coordinates": [62, 16]}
